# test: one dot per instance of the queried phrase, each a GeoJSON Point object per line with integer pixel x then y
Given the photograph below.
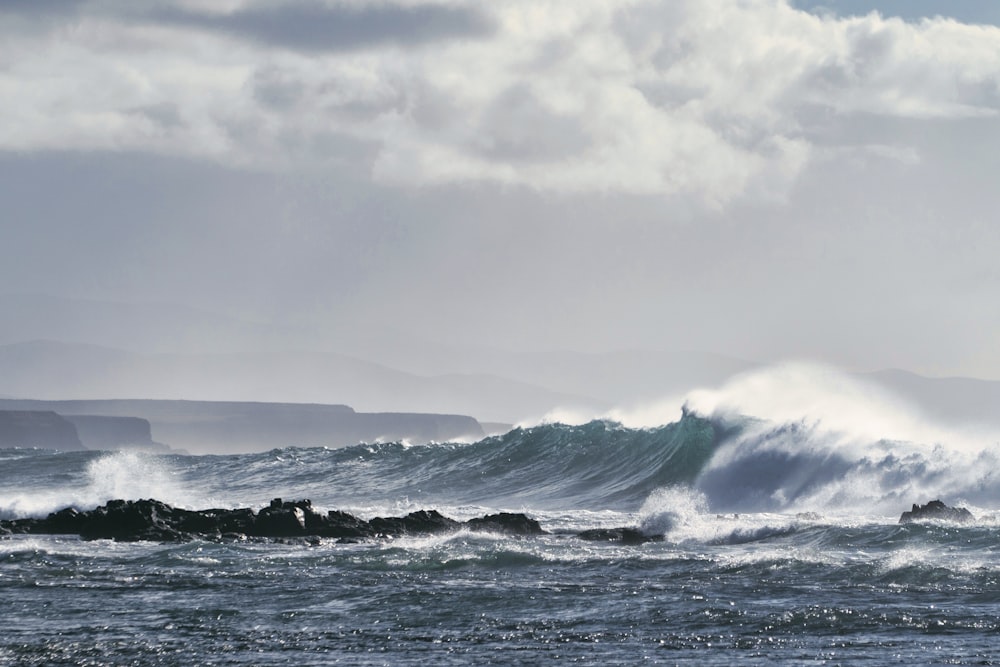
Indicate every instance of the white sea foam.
{"type": "Point", "coordinates": [815, 394]}
{"type": "Point", "coordinates": [796, 392]}
{"type": "Point", "coordinates": [671, 509]}
{"type": "Point", "coordinates": [126, 475]}
{"type": "Point", "coordinates": [822, 440]}
{"type": "Point", "coordinates": [133, 475]}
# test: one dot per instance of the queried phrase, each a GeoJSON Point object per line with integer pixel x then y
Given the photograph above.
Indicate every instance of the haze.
{"type": "Point", "coordinates": [492, 208]}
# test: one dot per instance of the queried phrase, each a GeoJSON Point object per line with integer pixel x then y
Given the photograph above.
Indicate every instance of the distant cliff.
{"type": "Point", "coordinates": [46, 429]}
{"type": "Point", "coordinates": [37, 428]}
{"type": "Point", "coordinates": [225, 427]}
{"type": "Point", "coordinates": [102, 432]}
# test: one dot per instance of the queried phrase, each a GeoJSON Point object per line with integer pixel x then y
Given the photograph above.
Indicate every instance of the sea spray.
{"type": "Point", "coordinates": [93, 478]}
{"type": "Point", "coordinates": [855, 410]}
{"type": "Point", "coordinates": [127, 474]}
{"type": "Point", "coordinates": [799, 467]}
{"type": "Point", "coordinates": [671, 509]}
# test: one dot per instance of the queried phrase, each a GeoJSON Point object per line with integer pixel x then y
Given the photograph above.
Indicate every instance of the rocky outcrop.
{"type": "Point", "coordinates": [152, 520]}
{"type": "Point", "coordinates": [936, 510]}
{"type": "Point", "coordinates": [37, 428]}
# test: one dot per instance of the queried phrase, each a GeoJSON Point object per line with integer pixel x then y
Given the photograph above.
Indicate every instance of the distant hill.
{"type": "Point", "coordinates": [56, 370]}
{"type": "Point", "coordinates": [609, 379]}
{"type": "Point", "coordinates": [54, 347]}
{"type": "Point", "coordinates": [149, 327]}
{"type": "Point", "coordinates": [956, 400]}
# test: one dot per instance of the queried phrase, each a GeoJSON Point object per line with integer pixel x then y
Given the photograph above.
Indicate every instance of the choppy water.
{"type": "Point", "coordinates": [781, 545]}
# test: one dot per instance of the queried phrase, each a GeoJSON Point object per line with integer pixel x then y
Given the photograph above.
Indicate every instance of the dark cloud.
{"type": "Point", "coordinates": [314, 26]}
{"type": "Point", "coordinates": [165, 114]}
{"type": "Point", "coordinates": [276, 90]}
{"type": "Point", "coordinates": [283, 91]}
{"type": "Point", "coordinates": [519, 127]}
{"type": "Point", "coordinates": [40, 7]}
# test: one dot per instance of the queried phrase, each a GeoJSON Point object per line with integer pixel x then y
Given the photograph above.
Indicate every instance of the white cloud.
{"type": "Point", "coordinates": [708, 99]}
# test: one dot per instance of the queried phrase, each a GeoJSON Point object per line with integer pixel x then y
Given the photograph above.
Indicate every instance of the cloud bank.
{"type": "Point", "coordinates": [711, 100]}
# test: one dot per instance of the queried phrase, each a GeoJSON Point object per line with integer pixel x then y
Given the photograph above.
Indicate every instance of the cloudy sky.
{"type": "Point", "coordinates": [760, 178]}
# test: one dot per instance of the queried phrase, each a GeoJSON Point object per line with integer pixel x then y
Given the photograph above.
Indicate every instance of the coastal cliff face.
{"type": "Point", "coordinates": [227, 427]}
{"type": "Point", "coordinates": [101, 432]}
{"type": "Point", "coordinates": [47, 429]}
{"type": "Point", "coordinates": [37, 428]}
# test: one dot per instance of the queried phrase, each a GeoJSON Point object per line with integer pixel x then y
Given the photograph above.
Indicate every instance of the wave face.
{"type": "Point", "coordinates": [598, 465]}
{"type": "Point", "coordinates": [732, 464]}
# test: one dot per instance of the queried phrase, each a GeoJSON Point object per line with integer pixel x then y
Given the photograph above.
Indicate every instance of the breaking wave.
{"type": "Point", "coordinates": [787, 441]}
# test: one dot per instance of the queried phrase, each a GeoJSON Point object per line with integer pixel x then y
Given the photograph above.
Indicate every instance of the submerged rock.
{"type": "Point", "coordinates": [937, 511]}
{"type": "Point", "coordinates": [624, 535]}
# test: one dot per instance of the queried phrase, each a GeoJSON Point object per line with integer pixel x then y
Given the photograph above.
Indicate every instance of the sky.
{"type": "Point", "coordinates": [763, 179]}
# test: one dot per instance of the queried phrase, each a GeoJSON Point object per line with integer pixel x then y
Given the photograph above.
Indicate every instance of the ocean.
{"type": "Point", "coordinates": [781, 545]}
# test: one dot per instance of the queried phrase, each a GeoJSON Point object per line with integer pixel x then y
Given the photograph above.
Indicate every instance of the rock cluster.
{"type": "Point", "coordinates": [129, 521]}
{"type": "Point", "coordinates": [937, 511]}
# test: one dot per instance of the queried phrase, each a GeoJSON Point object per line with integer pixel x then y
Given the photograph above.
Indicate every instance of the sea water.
{"type": "Point", "coordinates": [781, 543]}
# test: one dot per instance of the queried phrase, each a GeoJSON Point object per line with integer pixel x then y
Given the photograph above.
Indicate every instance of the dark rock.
{"type": "Point", "coordinates": [623, 535]}
{"type": "Point", "coordinates": [128, 520]}
{"type": "Point", "coordinates": [290, 519]}
{"type": "Point", "coordinates": [936, 510]}
{"type": "Point", "coordinates": [65, 522]}
{"type": "Point", "coordinates": [423, 522]}
{"type": "Point", "coordinates": [344, 526]}
{"type": "Point", "coordinates": [429, 521]}
{"type": "Point", "coordinates": [282, 522]}
{"type": "Point", "coordinates": [22, 526]}
{"type": "Point", "coordinates": [215, 522]}
{"type": "Point", "coordinates": [507, 523]}
{"type": "Point", "coordinates": [238, 521]}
